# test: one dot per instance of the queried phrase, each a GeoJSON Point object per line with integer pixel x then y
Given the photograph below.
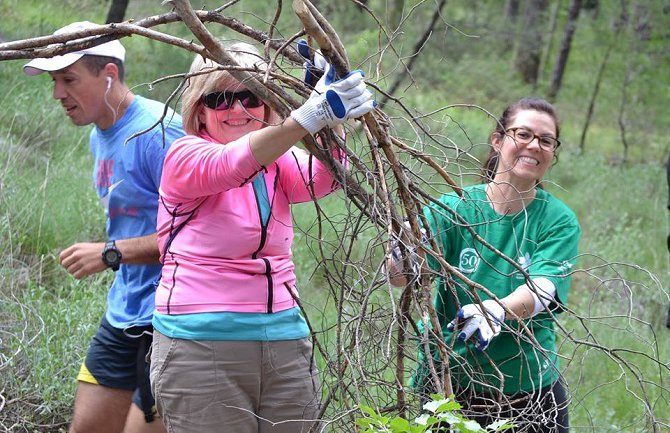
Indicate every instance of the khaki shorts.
{"type": "Point", "coordinates": [237, 386]}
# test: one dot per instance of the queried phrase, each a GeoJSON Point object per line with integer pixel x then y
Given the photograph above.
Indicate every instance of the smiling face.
{"type": "Point", "coordinates": [230, 124]}
{"type": "Point", "coordinates": [81, 93]}
{"type": "Point", "coordinates": [522, 165]}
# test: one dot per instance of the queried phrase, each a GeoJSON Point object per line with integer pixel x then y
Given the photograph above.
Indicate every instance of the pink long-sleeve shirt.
{"type": "Point", "coordinates": [217, 254]}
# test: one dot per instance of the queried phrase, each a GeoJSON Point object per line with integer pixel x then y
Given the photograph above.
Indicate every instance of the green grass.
{"type": "Point", "coordinates": [609, 398]}
{"type": "Point", "coordinates": [67, 314]}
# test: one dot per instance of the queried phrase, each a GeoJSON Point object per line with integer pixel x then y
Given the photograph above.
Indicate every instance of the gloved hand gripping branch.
{"type": "Point", "coordinates": [314, 65]}
{"type": "Point", "coordinates": [486, 322]}
{"type": "Point", "coordinates": [415, 261]}
{"type": "Point", "coordinates": [332, 102]}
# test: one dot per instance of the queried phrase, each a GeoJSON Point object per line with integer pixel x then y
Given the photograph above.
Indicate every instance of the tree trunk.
{"type": "Point", "coordinates": [509, 24]}
{"type": "Point", "coordinates": [117, 10]}
{"type": "Point", "coordinates": [417, 48]}
{"type": "Point", "coordinates": [641, 30]}
{"type": "Point", "coordinates": [395, 14]}
{"type": "Point", "coordinates": [594, 95]}
{"type": "Point", "coordinates": [618, 27]}
{"type": "Point", "coordinates": [511, 10]}
{"type": "Point", "coordinates": [622, 111]}
{"type": "Point", "coordinates": [529, 47]}
{"type": "Point", "coordinates": [592, 7]}
{"type": "Point", "coordinates": [550, 41]}
{"type": "Point", "coordinates": [564, 51]}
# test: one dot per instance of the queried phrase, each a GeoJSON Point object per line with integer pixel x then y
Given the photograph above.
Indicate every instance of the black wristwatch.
{"type": "Point", "coordinates": [111, 255]}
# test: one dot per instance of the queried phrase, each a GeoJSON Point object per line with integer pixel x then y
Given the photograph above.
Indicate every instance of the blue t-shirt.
{"type": "Point", "coordinates": [126, 176]}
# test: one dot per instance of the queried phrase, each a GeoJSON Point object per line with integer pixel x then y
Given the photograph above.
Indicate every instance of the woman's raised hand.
{"type": "Point", "coordinates": [333, 101]}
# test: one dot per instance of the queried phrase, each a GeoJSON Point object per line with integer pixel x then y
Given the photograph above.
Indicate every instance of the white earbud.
{"type": "Point", "coordinates": [109, 82]}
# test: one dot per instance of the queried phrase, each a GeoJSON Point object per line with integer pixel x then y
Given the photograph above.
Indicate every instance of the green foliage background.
{"type": "Point", "coordinates": [47, 203]}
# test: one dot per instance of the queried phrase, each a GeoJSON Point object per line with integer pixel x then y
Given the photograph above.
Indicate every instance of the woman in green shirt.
{"type": "Point", "coordinates": [497, 369]}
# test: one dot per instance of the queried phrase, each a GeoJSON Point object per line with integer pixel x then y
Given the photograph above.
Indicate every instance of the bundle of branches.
{"type": "Point", "coordinates": [366, 197]}
{"type": "Point", "coordinates": [369, 348]}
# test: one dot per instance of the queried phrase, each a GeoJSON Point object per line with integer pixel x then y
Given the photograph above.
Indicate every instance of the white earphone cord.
{"type": "Point", "coordinates": [109, 86]}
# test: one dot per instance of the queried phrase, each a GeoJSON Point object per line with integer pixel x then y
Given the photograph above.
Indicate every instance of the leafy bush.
{"type": "Point", "coordinates": [441, 415]}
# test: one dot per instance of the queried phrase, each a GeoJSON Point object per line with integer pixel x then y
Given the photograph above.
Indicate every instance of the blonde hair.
{"type": "Point", "coordinates": [246, 55]}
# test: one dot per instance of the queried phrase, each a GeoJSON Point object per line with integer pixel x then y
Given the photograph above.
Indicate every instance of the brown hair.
{"type": "Point", "coordinates": [491, 164]}
{"type": "Point", "coordinates": [216, 79]}
{"type": "Point", "coordinates": [95, 64]}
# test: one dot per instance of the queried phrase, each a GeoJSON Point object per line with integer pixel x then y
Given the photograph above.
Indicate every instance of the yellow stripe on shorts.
{"type": "Point", "coordinates": [85, 375]}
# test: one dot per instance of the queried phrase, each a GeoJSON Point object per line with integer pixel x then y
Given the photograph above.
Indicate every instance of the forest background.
{"type": "Point", "coordinates": [465, 59]}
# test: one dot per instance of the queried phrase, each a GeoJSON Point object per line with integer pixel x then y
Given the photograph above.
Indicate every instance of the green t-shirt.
{"type": "Point", "coordinates": [542, 240]}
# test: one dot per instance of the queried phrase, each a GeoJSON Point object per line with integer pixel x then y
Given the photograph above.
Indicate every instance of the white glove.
{"type": "Point", "coordinates": [470, 319]}
{"type": "Point", "coordinates": [413, 256]}
{"type": "Point", "coordinates": [333, 102]}
{"type": "Point", "coordinates": [313, 68]}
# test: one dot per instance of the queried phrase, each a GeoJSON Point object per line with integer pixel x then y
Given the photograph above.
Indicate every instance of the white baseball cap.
{"type": "Point", "coordinates": [109, 49]}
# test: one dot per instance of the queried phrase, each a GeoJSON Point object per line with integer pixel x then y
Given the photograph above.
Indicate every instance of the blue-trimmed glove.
{"type": "Point", "coordinates": [333, 102]}
{"type": "Point", "coordinates": [413, 257]}
{"type": "Point", "coordinates": [470, 319]}
{"type": "Point", "coordinates": [313, 68]}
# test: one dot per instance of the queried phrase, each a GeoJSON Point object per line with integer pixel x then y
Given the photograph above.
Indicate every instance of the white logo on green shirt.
{"type": "Point", "coordinates": [545, 365]}
{"type": "Point", "coordinates": [524, 262]}
{"type": "Point", "coordinates": [469, 260]}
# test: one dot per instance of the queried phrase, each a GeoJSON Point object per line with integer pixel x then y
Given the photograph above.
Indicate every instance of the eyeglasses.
{"type": "Point", "coordinates": [225, 100]}
{"type": "Point", "coordinates": [526, 136]}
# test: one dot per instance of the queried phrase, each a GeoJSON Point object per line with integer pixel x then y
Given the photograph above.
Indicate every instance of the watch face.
{"type": "Point", "coordinates": [111, 256]}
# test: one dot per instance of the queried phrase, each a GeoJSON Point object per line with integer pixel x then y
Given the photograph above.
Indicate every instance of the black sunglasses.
{"type": "Point", "coordinates": [225, 100]}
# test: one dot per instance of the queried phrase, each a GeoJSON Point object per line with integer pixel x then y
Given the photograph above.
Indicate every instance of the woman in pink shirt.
{"type": "Point", "coordinates": [231, 349]}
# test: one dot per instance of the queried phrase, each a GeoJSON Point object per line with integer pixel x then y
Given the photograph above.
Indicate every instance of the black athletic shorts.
{"type": "Point", "coordinates": [117, 358]}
